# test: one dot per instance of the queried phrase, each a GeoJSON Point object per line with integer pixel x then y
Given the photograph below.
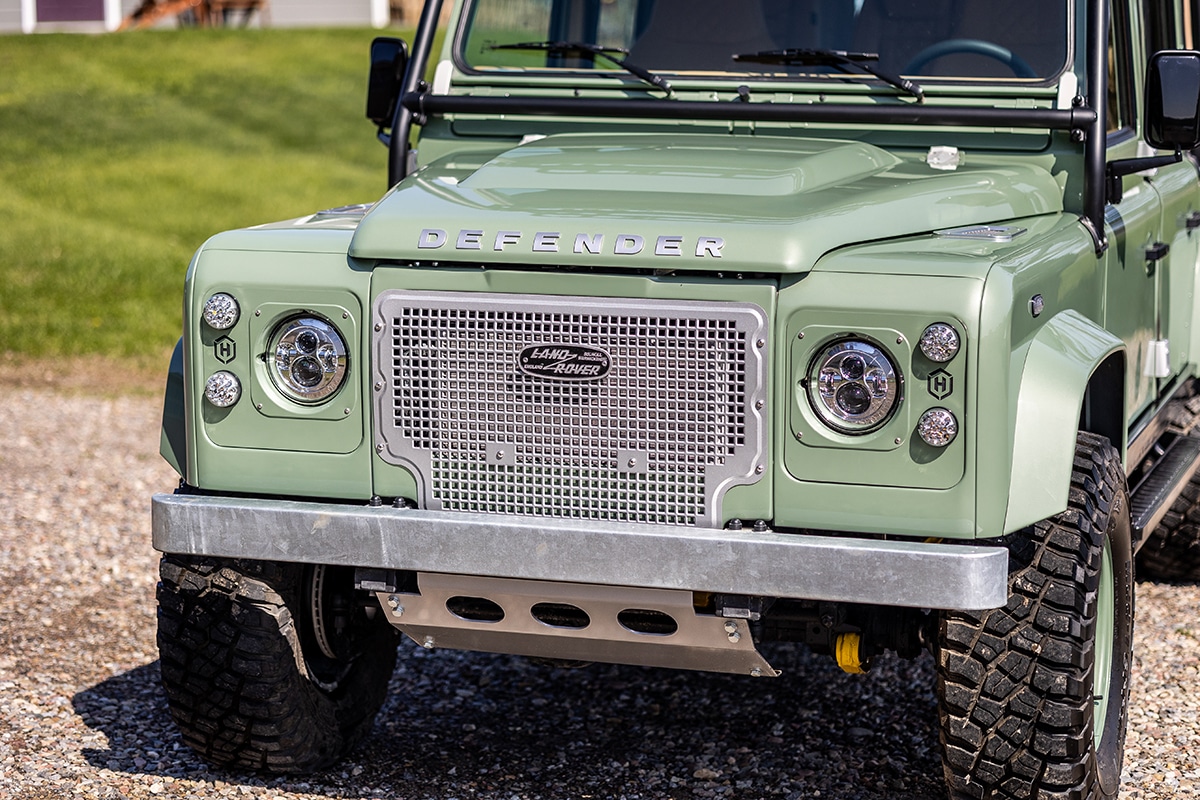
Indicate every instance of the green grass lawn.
{"type": "Point", "coordinates": [121, 154]}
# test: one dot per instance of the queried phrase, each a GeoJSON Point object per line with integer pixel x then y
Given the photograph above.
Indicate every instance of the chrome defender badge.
{"type": "Point", "coordinates": [564, 362]}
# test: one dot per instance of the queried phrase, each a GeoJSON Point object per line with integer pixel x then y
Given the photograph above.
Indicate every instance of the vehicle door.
{"type": "Point", "coordinates": [1133, 223]}
{"type": "Point", "coordinates": [1174, 26]}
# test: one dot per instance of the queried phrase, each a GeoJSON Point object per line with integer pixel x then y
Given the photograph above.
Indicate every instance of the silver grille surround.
{"type": "Point", "coordinates": [673, 423]}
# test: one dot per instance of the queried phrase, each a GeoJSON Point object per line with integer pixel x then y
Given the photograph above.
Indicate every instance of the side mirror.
{"type": "Point", "coordinates": [1173, 100]}
{"type": "Point", "coordinates": [389, 60]}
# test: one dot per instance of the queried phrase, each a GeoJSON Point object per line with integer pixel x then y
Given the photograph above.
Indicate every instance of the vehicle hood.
{"type": "Point", "coordinates": [685, 201]}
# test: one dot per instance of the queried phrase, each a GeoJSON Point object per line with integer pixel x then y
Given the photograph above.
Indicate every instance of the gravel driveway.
{"type": "Point", "coordinates": [81, 713]}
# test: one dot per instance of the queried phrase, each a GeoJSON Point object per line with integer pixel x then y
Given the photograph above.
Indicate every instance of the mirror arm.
{"type": "Point", "coordinates": [1115, 170]}
{"type": "Point", "coordinates": [1128, 166]}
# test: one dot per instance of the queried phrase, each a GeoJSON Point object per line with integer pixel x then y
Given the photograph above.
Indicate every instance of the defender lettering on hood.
{"type": "Point", "coordinates": [623, 244]}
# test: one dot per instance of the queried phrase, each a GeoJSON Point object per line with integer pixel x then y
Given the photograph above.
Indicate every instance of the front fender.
{"type": "Point", "coordinates": [173, 441]}
{"type": "Point", "coordinates": [1059, 364]}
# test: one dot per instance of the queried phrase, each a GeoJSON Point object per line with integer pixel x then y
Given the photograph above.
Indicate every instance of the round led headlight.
{"type": "Point", "coordinates": [221, 311]}
{"type": "Point", "coordinates": [937, 427]}
{"type": "Point", "coordinates": [853, 386]}
{"type": "Point", "coordinates": [939, 342]}
{"type": "Point", "coordinates": [222, 389]}
{"type": "Point", "coordinates": [307, 359]}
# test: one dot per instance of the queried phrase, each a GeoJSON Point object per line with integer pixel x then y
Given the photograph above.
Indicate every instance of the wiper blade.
{"type": "Point", "coordinates": [611, 54]}
{"type": "Point", "coordinates": [840, 59]}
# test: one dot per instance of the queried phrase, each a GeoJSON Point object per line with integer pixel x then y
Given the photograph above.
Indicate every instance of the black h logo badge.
{"type": "Point", "coordinates": [941, 384]}
{"type": "Point", "coordinates": [224, 349]}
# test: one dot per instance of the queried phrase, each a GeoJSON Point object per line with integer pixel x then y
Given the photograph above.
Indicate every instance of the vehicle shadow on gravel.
{"type": "Point", "coordinates": [478, 725]}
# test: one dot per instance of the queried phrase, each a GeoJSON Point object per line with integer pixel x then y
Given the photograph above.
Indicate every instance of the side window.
{"type": "Point", "coordinates": [1163, 27]}
{"type": "Point", "coordinates": [1121, 117]}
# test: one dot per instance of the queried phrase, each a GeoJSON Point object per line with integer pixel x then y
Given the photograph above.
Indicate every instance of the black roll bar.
{"type": "Point", "coordinates": [402, 120]}
{"type": "Point", "coordinates": [1094, 158]}
{"type": "Point", "coordinates": [1079, 118]}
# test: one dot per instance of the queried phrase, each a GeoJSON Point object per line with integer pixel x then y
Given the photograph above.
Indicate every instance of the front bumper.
{"type": "Point", "coordinates": [767, 564]}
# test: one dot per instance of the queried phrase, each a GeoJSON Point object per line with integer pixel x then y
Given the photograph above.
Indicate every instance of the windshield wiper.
{"type": "Point", "coordinates": [839, 59]}
{"type": "Point", "coordinates": [610, 54]}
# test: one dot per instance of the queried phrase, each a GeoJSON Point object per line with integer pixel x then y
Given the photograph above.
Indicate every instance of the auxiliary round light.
{"type": "Point", "coordinates": [937, 427]}
{"type": "Point", "coordinates": [221, 311]}
{"type": "Point", "coordinates": [853, 386]}
{"type": "Point", "coordinates": [939, 342]}
{"type": "Point", "coordinates": [222, 389]}
{"type": "Point", "coordinates": [308, 360]}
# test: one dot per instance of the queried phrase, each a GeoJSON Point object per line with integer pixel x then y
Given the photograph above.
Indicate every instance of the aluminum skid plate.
{"type": "Point", "coordinates": [700, 642]}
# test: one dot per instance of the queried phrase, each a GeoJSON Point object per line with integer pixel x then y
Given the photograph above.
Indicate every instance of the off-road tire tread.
{"type": "Point", "coordinates": [1013, 683]}
{"type": "Point", "coordinates": [235, 677]}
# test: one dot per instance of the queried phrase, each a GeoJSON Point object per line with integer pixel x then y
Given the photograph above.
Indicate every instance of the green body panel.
{"type": "Point", "coordinates": [1132, 283]}
{"type": "Point", "coordinates": [1053, 261]}
{"type": "Point", "coordinates": [1177, 277]}
{"type": "Point", "coordinates": [776, 204]}
{"type": "Point", "coordinates": [173, 439]}
{"type": "Point", "coordinates": [1056, 368]}
{"type": "Point", "coordinates": [892, 311]}
{"type": "Point", "coordinates": [265, 443]}
{"type": "Point", "coordinates": [905, 490]}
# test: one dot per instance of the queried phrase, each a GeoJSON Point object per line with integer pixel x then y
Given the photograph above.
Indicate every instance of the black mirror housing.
{"type": "Point", "coordinates": [389, 60]}
{"type": "Point", "coordinates": [1173, 100]}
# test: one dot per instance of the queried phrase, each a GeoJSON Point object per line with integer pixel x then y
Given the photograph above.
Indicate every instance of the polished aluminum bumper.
{"type": "Point", "coordinates": [768, 564]}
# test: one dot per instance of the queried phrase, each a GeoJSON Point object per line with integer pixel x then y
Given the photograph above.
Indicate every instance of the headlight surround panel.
{"type": "Point", "coordinates": [880, 445]}
{"type": "Point", "coordinates": [271, 394]}
{"type": "Point", "coordinates": [266, 417]}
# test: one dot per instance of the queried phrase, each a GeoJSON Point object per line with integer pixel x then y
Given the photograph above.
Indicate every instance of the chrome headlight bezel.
{"type": "Point", "coordinates": [853, 385]}
{"type": "Point", "coordinates": [307, 359]}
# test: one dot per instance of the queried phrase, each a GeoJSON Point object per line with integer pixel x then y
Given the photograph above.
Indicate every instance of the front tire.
{"type": "Point", "coordinates": [252, 681]}
{"type": "Point", "coordinates": [1033, 697]}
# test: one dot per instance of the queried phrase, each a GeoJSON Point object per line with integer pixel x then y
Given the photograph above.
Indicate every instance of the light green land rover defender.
{"type": "Point", "coordinates": [688, 325]}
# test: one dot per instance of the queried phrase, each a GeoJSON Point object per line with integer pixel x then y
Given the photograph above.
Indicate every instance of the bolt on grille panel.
{"type": "Point", "coordinates": [579, 407]}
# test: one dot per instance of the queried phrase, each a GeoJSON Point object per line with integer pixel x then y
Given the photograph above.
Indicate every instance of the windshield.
{"type": "Point", "coordinates": [933, 38]}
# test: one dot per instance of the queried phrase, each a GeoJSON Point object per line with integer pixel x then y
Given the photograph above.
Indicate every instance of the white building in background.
{"type": "Point", "coordinates": [34, 16]}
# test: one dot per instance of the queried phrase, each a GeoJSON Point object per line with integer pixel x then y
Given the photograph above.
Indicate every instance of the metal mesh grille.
{"type": "Point", "coordinates": [656, 439]}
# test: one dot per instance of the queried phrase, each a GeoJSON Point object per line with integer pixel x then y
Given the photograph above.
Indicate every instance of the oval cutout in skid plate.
{"type": "Point", "coordinates": [564, 362]}
{"type": "Point", "coordinates": [475, 609]}
{"type": "Point", "coordinates": [561, 615]}
{"type": "Point", "coordinates": [647, 621]}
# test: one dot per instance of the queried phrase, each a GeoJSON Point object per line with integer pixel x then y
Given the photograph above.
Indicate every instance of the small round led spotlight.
{"type": "Point", "coordinates": [937, 427]}
{"type": "Point", "coordinates": [222, 389]}
{"type": "Point", "coordinates": [939, 342]}
{"type": "Point", "coordinates": [221, 311]}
